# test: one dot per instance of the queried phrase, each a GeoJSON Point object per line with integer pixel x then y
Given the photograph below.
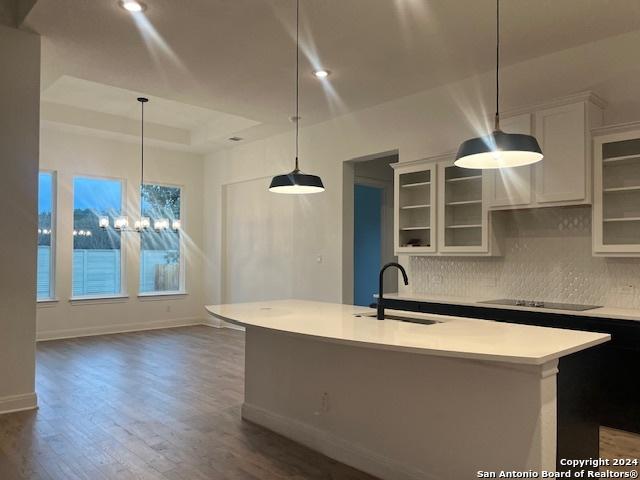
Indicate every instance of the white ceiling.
{"type": "Point", "coordinates": [229, 64]}
{"type": "Point", "coordinates": [73, 101]}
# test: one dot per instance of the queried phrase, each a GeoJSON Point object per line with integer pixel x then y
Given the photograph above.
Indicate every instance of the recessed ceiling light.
{"type": "Point", "coordinates": [132, 6]}
{"type": "Point", "coordinates": [321, 73]}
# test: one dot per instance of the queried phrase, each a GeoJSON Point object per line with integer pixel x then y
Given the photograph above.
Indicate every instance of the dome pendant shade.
{"type": "Point", "coordinates": [296, 183]}
{"type": "Point", "coordinates": [499, 150]}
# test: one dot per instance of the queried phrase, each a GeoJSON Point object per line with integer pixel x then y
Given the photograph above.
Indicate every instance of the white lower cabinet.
{"type": "Point", "coordinates": [616, 204]}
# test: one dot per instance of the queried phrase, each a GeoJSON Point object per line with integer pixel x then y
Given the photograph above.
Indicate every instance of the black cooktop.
{"type": "Point", "coordinates": [539, 304]}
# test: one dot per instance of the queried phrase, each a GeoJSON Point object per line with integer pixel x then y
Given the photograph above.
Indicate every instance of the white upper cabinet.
{"type": "Point", "coordinates": [463, 217]}
{"type": "Point", "coordinates": [563, 177]}
{"type": "Point", "coordinates": [511, 187]}
{"type": "Point", "coordinates": [415, 208]}
{"type": "Point", "coordinates": [440, 209]}
{"type": "Point", "coordinates": [616, 203]}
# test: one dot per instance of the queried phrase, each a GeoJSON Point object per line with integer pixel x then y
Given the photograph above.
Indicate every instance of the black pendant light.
{"type": "Point", "coordinates": [297, 182]}
{"type": "Point", "coordinates": [500, 149]}
{"type": "Point", "coordinates": [145, 222]}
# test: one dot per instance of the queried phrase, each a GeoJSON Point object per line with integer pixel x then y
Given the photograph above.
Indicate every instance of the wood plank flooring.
{"type": "Point", "coordinates": [161, 405]}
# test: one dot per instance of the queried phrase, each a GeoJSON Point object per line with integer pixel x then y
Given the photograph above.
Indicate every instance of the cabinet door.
{"type": "Point", "coordinates": [462, 213]}
{"type": "Point", "coordinates": [561, 176]}
{"type": "Point", "coordinates": [414, 204]}
{"type": "Point", "coordinates": [616, 203]}
{"type": "Point", "coordinates": [511, 187]}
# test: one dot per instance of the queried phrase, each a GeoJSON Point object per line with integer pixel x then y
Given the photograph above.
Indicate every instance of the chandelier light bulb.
{"type": "Point", "coordinates": [121, 223]}
{"type": "Point", "coordinates": [161, 224]}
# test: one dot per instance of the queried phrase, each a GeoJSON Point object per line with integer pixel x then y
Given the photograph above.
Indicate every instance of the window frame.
{"type": "Point", "coordinates": [53, 237]}
{"type": "Point", "coordinates": [182, 288]}
{"type": "Point", "coordinates": [122, 294]}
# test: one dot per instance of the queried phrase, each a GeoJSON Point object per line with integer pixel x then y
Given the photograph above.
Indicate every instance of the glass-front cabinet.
{"type": "Point", "coordinates": [414, 200]}
{"type": "Point", "coordinates": [440, 209]}
{"type": "Point", "coordinates": [616, 208]}
{"type": "Point", "coordinates": [462, 210]}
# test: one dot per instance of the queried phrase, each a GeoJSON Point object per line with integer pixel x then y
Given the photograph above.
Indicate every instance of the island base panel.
{"type": "Point", "coordinates": [400, 415]}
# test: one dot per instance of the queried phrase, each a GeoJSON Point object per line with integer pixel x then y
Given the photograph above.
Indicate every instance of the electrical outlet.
{"type": "Point", "coordinates": [319, 259]}
{"type": "Point", "coordinates": [325, 405]}
{"type": "Point", "coordinates": [436, 279]}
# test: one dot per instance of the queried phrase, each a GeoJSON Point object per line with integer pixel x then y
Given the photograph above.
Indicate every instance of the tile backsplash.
{"type": "Point", "coordinates": [546, 255]}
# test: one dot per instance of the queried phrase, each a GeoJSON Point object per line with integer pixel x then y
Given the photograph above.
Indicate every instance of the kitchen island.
{"type": "Point", "coordinates": [404, 400]}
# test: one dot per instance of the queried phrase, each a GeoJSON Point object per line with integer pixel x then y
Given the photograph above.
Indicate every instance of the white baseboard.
{"type": "Point", "coordinates": [121, 328]}
{"type": "Point", "coordinates": [216, 323]}
{"type": "Point", "coordinates": [18, 403]}
{"type": "Point", "coordinates": [332, 446]}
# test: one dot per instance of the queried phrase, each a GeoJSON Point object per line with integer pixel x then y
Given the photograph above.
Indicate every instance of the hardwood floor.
{"type": "Point", "coordinates": [619, 444]}
{"type": "Point", "coordinates": [161, 405]}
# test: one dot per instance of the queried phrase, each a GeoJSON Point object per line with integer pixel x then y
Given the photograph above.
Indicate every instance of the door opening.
{"type": "Point", "coordinates": [367, 241]}
{"type": "Point", "coordinates": [371, 225]}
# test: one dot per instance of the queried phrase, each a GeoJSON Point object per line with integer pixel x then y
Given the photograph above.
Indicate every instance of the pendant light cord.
{"type": "Point", "coordinates": [297, 78]}
{"type": "Point", "coordinates": [142, 101]}
{"type": "Point", "coordinates": [497, 118]}
{"type": "Point", "coordinates": [141, 155]}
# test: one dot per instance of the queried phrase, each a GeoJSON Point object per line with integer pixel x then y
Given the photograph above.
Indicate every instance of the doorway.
{"type": "Point", "coordinates": [367, 241]}
{"type": "Point", "coordinates": [369, 220]}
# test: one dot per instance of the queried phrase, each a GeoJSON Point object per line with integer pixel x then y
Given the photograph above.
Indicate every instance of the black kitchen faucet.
{"type": "Point", "coordinates": [380, 289]}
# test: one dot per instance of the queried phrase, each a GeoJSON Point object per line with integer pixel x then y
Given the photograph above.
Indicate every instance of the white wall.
{"type": "Point", "coordinates": [256, 265]}
{"type": "Point", "coordinates": [19, 119]}
{"type": "Point", "coordinates": [418, 126]}
{"type": "Point", "coordinates": [70, 154]}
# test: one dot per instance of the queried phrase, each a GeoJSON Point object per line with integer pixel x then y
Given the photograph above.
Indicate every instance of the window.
{"type": "Point", "coordinates": [97, 259]}
{"type": "Point", "coordinates": [44, 286]}
{"type": "Point", "coordinates": [160, 256]}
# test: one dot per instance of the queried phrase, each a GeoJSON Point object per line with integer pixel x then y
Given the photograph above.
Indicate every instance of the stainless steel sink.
{"type": "Point", "coordinates": [422, 321]}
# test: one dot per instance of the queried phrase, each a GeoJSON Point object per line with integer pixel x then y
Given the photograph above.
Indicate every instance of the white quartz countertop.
{"type": "Point", "coordinates": [450, 337]}
{"type": "Point", "coordinates": [600, 312]}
